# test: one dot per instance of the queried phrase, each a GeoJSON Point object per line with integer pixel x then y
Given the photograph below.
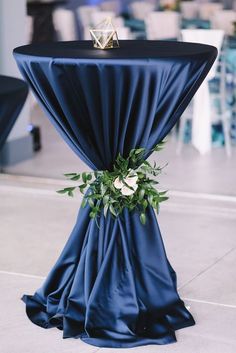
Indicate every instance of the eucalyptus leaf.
{"type": "Point", "coordinates": [76, 177]}
{"type": "Point", "coordinates": [63, 191]}
{"type": "Point", "coordinates": [141, 194]}
{"type": "Point", "coordinates": [143, 218]}
{"type": "Point", "coordinates": [91, 203]}
{"type": "Point", "coordinates": [103, 196]}
{"type": "Point", "coordinates": [70, 174]}
{"type": "Point", "coordinates": [105, 199]}
{"type": "Point", "coordinates": [112, 210]}
{"type": "Point", "coordinates": [92, 214]}
{"type": "Point", "coordinates": [84, 177]}
{"type": "Point", "coordinates": [84, 202]}
{"type": "Point", "coordinates": [105, 209]}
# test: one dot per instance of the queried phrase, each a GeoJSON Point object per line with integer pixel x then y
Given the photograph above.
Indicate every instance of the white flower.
{"type": "Point", "coordinates": [118, 183]}
{"type": "Point", "coordinates": [130, 180]}
{"type": "Point", "coordinates": [127, 191]}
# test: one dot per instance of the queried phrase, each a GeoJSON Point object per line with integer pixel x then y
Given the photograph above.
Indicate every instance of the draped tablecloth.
{"type": "Point", "coordinates": [13, 93]}
{"type": "Point", "coordinates": [113, 285]}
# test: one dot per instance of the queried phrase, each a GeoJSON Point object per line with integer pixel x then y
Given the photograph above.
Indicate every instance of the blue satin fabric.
{"type": "Point", "coordinates": [13, 93]}
{"type": "Point", "coordinates": [113, 286]}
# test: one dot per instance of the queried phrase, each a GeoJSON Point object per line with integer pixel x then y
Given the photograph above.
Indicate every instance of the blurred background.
{"type": "Point", "coordinates": [33, 147]}
{"type": "Point", "coordinates": [198, 222]}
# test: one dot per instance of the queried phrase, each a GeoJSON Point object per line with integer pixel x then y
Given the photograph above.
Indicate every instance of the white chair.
{"type": "Point", "coordinates": [207, 10]}
{"type": "Point", "coordinates": [64, 23]}
{"type": "Point", "coordinates": [204, 110]}
{"type": "Point", "coordinates": [123, 33]}
{"type": "Point", "coordinates": [189, 9]}
{"type": "Point", "coordinates": [224, 20]}
{"type": "Point", "coordinates": [140, 9]}
{"type": "Point", "coordinates": [84, 14]}
{"type": "Point", "coordinates": [29, 29]}
{"type": "Point", "coordinates": [99, 16]}
{"type": "Point", "coordinates": [118, 21]}
{"type": "Point", "coordinates": [162, 25]}
{"type": "Point", "coordinates": [112, 5]}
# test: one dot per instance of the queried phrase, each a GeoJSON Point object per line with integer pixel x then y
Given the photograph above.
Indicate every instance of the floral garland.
{"type": "Point", "coordinates": [129, 185]}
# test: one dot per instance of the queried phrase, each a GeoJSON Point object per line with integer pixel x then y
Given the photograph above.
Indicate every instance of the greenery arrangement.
{"type": "Point", "coordinates": [129, 185]}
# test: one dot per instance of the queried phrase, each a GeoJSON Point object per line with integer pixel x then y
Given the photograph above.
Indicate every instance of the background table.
{"type": "Point", "coordinates": [13, 93]}
{"type": "Point", "coordinates": [113, 285]}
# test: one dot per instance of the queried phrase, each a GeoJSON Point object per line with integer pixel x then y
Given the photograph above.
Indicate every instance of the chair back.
{"type": "Point", "coordinates": [64, 23]}
{"type": "Point", "coordinates": [141, 9]}
{"type": "Point", "coordinates": [162, 25]}
{"type": "Point", "coordinates": [99, 16]}
{"type": "Point", "coordinates": [29, 29]}
{"type": "Point", "coordinates": [213, 37]}
{"type": "Point", "coordinates": [189, 9]}
{"type": "Point", "coordinates": [224, 19]}
{"type": "Point", "coordinates": [84, 14]}
{"type": "Point", "coordinates": [207, 10]}
{"type": "Point", "coordinates": [112, 5]}
{"type": "Point", "coordinates": [123, 33]}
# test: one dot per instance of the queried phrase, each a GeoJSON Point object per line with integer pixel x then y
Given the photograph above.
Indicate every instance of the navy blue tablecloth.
{"type": "Point", "coordinates": [113, 285]}
{"type": "Point", "coordinates": [13, 93]}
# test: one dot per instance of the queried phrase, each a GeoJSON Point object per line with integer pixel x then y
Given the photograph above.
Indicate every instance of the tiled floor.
{"type": "Point", "coordinates": [200, 240]}
{"type": "Point", "coordinates": [198, 225]}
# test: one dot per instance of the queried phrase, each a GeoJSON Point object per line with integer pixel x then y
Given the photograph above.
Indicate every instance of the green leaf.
{"type": "Point", "coordinates": [141, 194]}
{"type": "Point", "coordinates": [144, 204]}
{"type": "Point", "coordinates": [105, 199]}
{"type": "Point", "coordinates": [70, 174]}
{"type": "Point", "coordinates": [105, 210]}
{"type": "Point", "coordinates": [163, 198]}
{"type": "Point", "coordinates": [63, 191]}
{"type": "Point", "coordinates": [84, 177]}
{"type": "Point", "coordinates": [89, 176]}
{"type": "Point", "coordinates": [68, 190]}
{"type": "Point", "coordinates": [139, 150]}
{"type": "Point", "coordinates": [103, 189]}
{"type": "Point", "coordinates": [112, 210]}
{"type": "Point", "coordinates": [147, 164]}
{"type": "Point", "coordinates": [76, 177]}
{"type": "Point", "coordinates": [163, 192]}
{"type": "Point", "coordinates": [91, 203]}
{"type": "Point", "coordinates": [70, 193]}
{"type": "Point", "coordinates": [82, 187]}
{"type": "Point", "coordinates": [150, 199]}
{"type": "Point", "coordinates": [143, 218]}
{"type": "Point", "coordinates": [159, 146]}
{"type": "Point", "coordinates": [92, 214]}
{"type": "Point", "coordinates": [84, 202]}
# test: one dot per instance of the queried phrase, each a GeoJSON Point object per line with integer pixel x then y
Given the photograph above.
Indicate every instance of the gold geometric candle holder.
{"type": "Point", "coordinates": [104, 35]}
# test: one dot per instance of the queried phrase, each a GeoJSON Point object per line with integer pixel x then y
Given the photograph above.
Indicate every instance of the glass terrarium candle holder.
{"type": "Point", "coordinates": [104, 35]}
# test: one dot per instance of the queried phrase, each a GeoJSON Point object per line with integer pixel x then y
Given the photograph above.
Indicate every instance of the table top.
{"type": "Point", "coordinates": [11, 85]}
{"type": "Point", "coordinates": [129, 49]}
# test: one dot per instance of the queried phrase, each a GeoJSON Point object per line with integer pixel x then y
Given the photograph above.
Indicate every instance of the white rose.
{"type": "Point", "coordinates": [118, 183]}
{"type": "Point", "coordinates": [131, 180]}
{"type": "Point", "coordinates": [127, 191]}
